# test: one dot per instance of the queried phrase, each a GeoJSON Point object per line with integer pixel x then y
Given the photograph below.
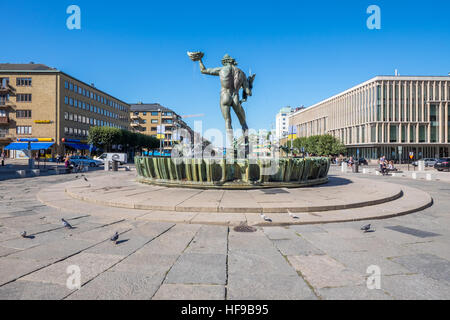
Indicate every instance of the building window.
{"type": "Point", "coordinates": [155, 113]}
{"type": "Point", "coordinates": [71, 116]}
{"type": "Point", "coordinates": [23, 82]}
{"type": "Point", "coordinates": [66, 130]}
{"type": "Point", "coordinates": [23, 129]}
{"type": "Point", "coordinates": [71, 101]}
{"type": "Point", "coordinates": [154, 121]}
{"type": "Point", "coordinates": [23, 97]}
{"type": "Point", "coordinates": [71, 86]}
{"type": "Point", "coordinates": [66, 116]}
{"type": "Point", "coordinates": [66, 84]}
{"type": "Point", "coordinates": [23, 114]}
{"type": "Point", "coordinates": [66, 100]}
{"type": "Point", "coordinates": [434, 123]}
{"type": "Point", "coordinates": [393, 133]}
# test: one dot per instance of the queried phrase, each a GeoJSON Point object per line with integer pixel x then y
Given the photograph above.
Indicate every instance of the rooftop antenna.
{"type": "Point", "coordinates": [396, 72]}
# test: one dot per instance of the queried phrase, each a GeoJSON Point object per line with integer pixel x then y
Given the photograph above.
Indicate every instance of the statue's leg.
{"type": "Point", "coordinates": [225, 102]}
{"type": "Point", "coordinates": [240, 113]}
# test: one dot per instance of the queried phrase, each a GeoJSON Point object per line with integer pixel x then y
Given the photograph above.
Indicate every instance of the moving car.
{"type": "Point", "coordinates": [113, 156]}
{"type": "Point", "coordinates": [442, 164]}
{"type": "Point", "coordinates": [86, 161]}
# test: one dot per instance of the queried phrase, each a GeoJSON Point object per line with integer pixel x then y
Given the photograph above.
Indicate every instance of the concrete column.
{"type": "Point", "coordinates": [441, 123]}
{"type": "Point", "coordinates": [376, 133]}
{"type": "Point", "coordinates": [428, 125]}
{"type": "Point", "coordinates": [446, 122]}
{"type": "Point", "coordinates": [408, 132]}
{"type": "Point", "coordinates": [416, 140]}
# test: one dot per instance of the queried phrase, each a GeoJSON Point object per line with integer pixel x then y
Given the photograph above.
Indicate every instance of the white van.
{"type": "Point", "coordinates": [111, 156]}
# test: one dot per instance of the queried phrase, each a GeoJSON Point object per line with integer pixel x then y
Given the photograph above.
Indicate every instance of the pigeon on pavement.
{"type": "Point", "coordinates": [115, 237]}
{"type": "Point", "coordinates": [366, 227]}
{"type": "Point", "coordinates": [66, 224]}
{"type": "Point", "coordinates": [292, 215]}
{"type": "Point", "coordinates": [265, 217]}
{"type": "Point", "coordinates": [23, 234]}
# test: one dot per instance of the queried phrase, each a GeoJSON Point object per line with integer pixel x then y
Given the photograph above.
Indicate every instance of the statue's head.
{"type": "Point", "coordinates": [228, 60]}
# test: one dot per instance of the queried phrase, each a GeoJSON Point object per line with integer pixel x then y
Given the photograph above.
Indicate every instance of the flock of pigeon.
{"type": "Point", "coordinates": [67, 225]}
{"type": "Point", "coordinates": [365, 228]}
{"type": "Point", "coordinates": [115, 237]}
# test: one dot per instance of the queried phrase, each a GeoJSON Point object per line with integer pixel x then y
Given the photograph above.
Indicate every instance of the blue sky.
{"type": "Point", "coordinates": [301, 51]}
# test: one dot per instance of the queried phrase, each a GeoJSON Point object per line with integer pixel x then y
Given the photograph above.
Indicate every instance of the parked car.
{"type": "Point", "coordinates": [86, 161]}
{"type": "Point", "coordinates": [442, 164]}
{"type": "Point", "coordinates": [429, 162]}
{"type": "Point", "coordinates": [110, 156]}
{"type": "Point", "coordinates": [362, 161]}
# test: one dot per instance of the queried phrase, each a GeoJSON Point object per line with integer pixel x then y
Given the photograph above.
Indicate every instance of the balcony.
{"type": "Point", "coordinates": [7, 90]}
{"type": "Point", "coordinates": [7, 137]}
{"type": "Point", "coordinates": [4, 120]}
{"type": "Point", "coordinates": [134, 117]}
{"type": "Point", "coordinates": [7, 104]}
{"type": "Point", "coordinates": [135, 125]}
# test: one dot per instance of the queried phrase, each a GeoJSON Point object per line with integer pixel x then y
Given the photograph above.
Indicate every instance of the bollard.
{"type": "Point", "coordinates": [343, 167]}
{"type": "Point", "coordinates": [115, 165]}
{"type": "Point", "coordinates": [414, 175]}
{"type": "Point", "coordinates": [106, 168]}
{"type": "Point", "coordinates": [429, 176]}
{"type": "Point", "coordinates": [421, 165]}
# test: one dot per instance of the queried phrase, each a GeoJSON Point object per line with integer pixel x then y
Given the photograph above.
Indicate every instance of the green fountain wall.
{"type": "Point", "coordinates": [242, 174]}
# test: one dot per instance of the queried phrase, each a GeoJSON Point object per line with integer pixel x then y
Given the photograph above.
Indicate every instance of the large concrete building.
{"type": "Point", "coordinates": [386, 115]}
{"type": "Point", "coordinates": [147, 117]}
{"type": "Point", "coordinates": [37, 101]}
{"type": "Point", "coordinates": [282, 122]}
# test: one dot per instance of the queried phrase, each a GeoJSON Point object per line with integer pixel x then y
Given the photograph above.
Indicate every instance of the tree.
{"type": "Point", "coordinates": [106, 137]}
{"type": "Point", "coordinates": [321, 145]}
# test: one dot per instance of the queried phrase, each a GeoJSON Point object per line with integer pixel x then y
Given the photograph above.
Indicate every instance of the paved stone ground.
{"type": "Point", "coordinates": [163, 260]}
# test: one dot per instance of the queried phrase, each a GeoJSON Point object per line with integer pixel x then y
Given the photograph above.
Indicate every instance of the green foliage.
{"type": "Point", "coordinates": [105, 137]}
{"type": "Point", "coordinates": [323, 145]}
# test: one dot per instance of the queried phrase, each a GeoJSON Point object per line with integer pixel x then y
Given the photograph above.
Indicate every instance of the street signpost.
{"type": "Point", "coordinates": [411, 156]}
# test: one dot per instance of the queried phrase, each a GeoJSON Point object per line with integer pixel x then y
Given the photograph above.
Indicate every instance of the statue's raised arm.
{"type": "Point", "coordinates": [210, 71]}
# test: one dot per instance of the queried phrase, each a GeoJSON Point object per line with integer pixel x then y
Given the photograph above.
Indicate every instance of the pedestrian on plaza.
{"type": "Point", "coordinates": [3, 158]}
{"type": "Point", "coordinates": [350, 162]}
{"type": "Point", "coordinates": [382, 163]}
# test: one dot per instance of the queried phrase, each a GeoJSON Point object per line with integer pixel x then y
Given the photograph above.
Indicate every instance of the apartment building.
{"type": "Point", "coordinates": [387, 115]}
{"type": "Point", "coordinates": [37, 101]}
{"type": "Point", "coordinates": [147, 117]}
